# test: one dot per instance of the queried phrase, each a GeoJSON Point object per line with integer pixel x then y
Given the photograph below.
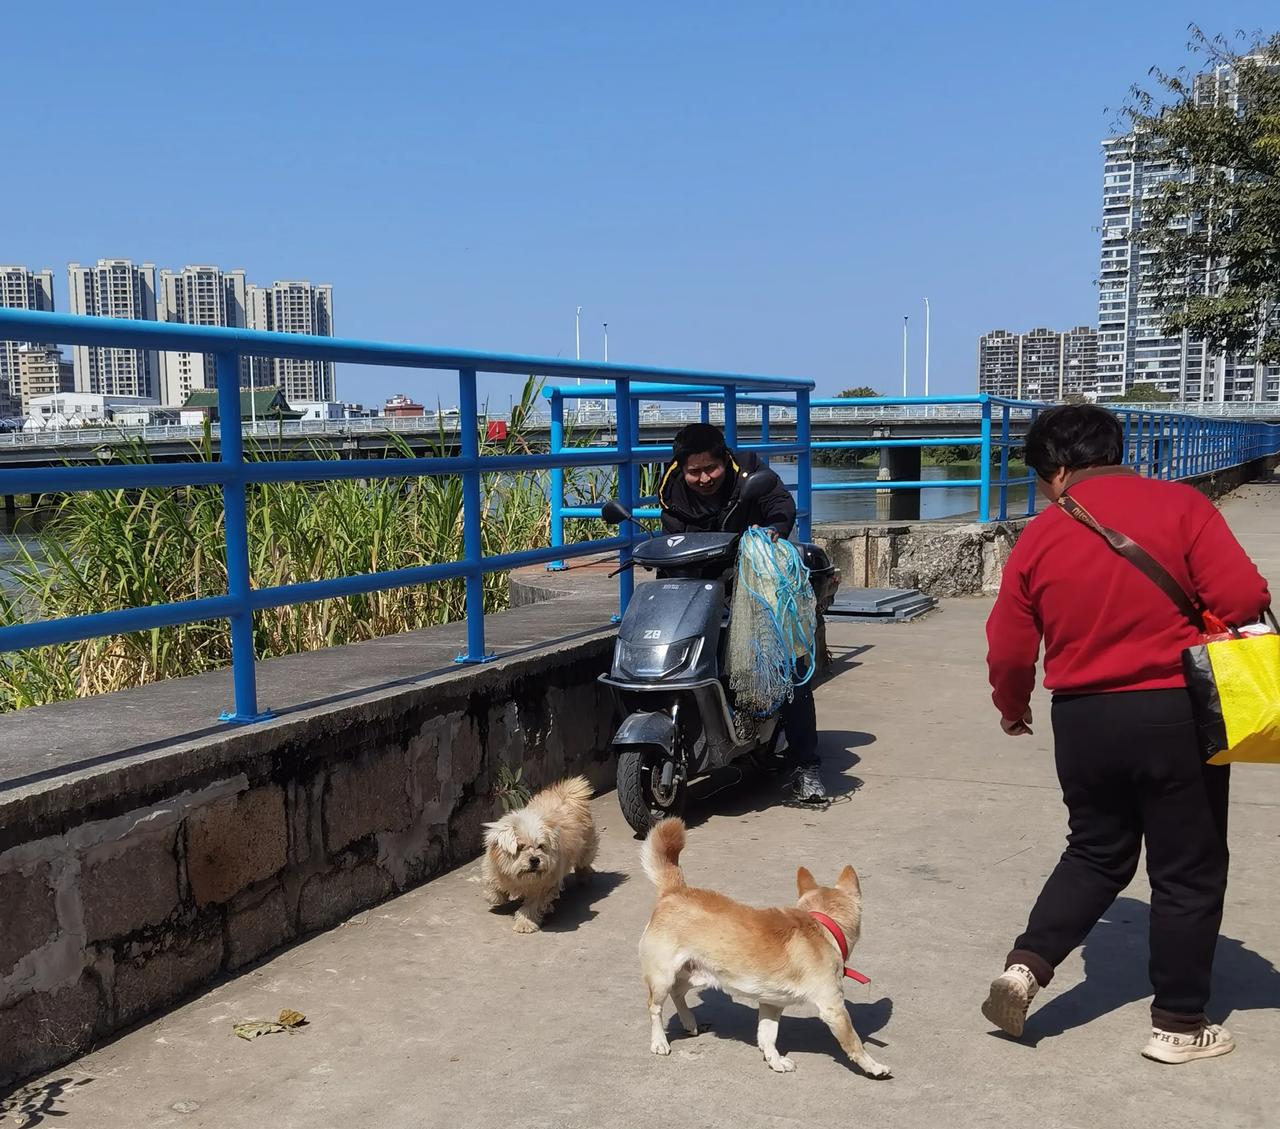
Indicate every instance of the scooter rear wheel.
{"type": "Point", "coordinates": [640, 793]}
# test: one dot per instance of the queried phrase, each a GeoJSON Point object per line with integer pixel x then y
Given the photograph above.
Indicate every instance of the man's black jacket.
{"type": "Point", "coordinates": [683, 510]}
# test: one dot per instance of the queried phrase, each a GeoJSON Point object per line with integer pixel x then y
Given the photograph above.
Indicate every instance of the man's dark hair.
{"type": "Point", "coordinates": [1074, 436]}
{"type": "Point", "coordinates": [699, 439]}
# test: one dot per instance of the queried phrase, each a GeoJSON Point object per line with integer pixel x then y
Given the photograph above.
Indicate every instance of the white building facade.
{"type": "Point", "coordinates": [293, 307]}
{"type": "Point", "coordinates": [198, 295]}
{"type": "Point", "coordinates": [115, 288]}
{"type": "Point", "coordinates": [20, 289]}
{"type": "Point", "coordinates": [1132, 346]}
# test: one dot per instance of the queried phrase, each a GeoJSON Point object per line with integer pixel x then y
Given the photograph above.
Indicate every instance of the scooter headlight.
{"type": "Point", "coordinates": [639, 660]}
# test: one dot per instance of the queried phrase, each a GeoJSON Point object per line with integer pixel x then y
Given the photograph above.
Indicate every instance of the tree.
{"type": "Point", "coordinates": [862, 392]}
{"type": "Point", "coordinates": [1213, 228]}
{"type": "Point", "coordinates": [1145, 394]}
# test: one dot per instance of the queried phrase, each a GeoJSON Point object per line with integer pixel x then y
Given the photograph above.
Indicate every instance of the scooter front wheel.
{"type": "Point", "coordinates": [643, 798]}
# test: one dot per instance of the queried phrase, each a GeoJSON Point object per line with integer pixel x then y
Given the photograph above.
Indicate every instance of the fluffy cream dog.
{"type": "Point", "coordinates": [778, 957]}
{"type": "Point", "coordinates": [529, 853]}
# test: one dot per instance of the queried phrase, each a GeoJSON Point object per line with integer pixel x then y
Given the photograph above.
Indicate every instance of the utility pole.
{"type": "Point", "coordinates": [904, 354]}
{"type": "Point", "coordinates": [926, 346]}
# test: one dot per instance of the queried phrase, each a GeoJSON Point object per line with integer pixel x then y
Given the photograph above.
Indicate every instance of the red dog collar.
{"type": "Point", "coordinates": [836, 932]}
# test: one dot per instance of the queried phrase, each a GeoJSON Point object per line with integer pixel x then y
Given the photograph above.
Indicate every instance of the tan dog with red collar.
{"type": "Point", "coordinates": [778, 957]}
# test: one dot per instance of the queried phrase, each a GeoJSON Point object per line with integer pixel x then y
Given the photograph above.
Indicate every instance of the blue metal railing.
{"type": "Point", "coordinates": [985, 440]}
{"type": "Point", "coordinates": [1158, 443]}
{"type": "Point", "coordinates": [235, 475]}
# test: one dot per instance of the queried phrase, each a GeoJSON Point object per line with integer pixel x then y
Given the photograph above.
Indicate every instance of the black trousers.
{"type": "Point", "coordinates": [1131, 770]}
{"type": "Point", "coordinates": [800, 723]}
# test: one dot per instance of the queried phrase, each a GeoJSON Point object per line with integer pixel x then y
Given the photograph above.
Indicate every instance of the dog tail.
{"type": "Point", "coordinates": [574, 793]}
{"type": "Point", "coordinates": [660, 855]}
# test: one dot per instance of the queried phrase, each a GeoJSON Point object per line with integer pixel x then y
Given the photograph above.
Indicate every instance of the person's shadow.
{"type": "Point", "coordinates": [1115, 966]}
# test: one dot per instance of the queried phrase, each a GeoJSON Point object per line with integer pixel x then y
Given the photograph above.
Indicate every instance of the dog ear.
{"type": "Point", "coordinates": [502, 835]}
{"type": "Point", "coordinates": [805, 881]}
{"type": "Point", "coordinates": [848, 880]}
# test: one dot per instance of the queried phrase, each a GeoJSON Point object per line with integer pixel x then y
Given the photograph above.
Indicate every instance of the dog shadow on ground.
{"type": "Point", "coordinates": [722, 1017]}
{"type": "Point", "coordinates": [577, 905]}
{"type": "Point", "coordinates": [1115, 966]}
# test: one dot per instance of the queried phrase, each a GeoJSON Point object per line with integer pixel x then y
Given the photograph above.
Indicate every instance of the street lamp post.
{"type": "Point", "coordinates": [577, 340]}
{"type": "Point", "coordinates": [904, 354]}
{"type": "Point", "coordinates": [606, 342]}
{"type": "Point", "coordinates": [926, 346]}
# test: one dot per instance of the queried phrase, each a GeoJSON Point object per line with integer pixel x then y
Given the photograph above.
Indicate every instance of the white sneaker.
{"type": "Point", "coordinates": [1011, 994]}
{"type": "Point", "coordinates": [1174, 1046]}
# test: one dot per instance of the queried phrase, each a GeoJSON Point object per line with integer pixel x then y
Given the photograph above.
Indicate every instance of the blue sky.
{"type": "Point", "coordinates": [751, 187]}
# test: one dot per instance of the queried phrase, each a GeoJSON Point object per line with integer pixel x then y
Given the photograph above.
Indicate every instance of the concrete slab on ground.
{"type": "Point", "coordinates": [428, 1011]}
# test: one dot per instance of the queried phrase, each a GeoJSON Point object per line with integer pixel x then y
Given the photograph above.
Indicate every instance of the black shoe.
{"type": "Point", "coordinates": [806, 787]}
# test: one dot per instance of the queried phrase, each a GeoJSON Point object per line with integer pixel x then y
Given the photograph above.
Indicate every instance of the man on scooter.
{"type": "Point", "coordinates": [700, 491]}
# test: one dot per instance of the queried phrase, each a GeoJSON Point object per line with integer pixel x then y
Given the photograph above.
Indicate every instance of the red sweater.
{"type": "Point", "coordinates": [1106, 626]}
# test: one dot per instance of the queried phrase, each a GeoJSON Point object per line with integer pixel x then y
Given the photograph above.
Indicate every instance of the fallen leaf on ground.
{"type": "Point", "coordinates": [289, 1020]}
{"type": "Point", "coordinates": [253, 1029]}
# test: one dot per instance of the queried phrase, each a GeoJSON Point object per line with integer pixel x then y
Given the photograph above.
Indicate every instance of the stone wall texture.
{"type": "Point", "coordinates": [111, 916]}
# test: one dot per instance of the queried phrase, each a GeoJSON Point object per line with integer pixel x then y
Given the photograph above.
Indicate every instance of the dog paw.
{"type": "Point", "coordinates": [873, 1069]}
{"type": "Point", "coordinates": [781, 1064]}
{"type": "Point", "coordinates": [660, 1046]}
{"type": "Point", "coordinates": [525, 925]}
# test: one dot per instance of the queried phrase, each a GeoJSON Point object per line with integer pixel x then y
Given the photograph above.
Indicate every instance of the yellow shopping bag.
{"type": "Point", "coordinates": [1235, 687]}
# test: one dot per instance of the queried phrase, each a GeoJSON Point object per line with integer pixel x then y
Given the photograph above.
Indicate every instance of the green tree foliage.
{"type": "Point", "coordinates": [1145, 394]}
{"type": "Point", "coordinates": [862, 392]}
{"type": "Point", "coordinates": [1213, 230]}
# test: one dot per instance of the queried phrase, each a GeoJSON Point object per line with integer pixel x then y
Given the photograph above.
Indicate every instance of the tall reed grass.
{"type": "Point", "coordinates": [111, 549]}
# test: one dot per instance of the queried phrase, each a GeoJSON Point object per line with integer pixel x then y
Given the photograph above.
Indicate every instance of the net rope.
{"type": "Point", "coordinates": [772, 625]}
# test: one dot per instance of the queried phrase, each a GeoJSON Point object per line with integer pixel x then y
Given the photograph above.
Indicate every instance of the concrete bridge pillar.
{"type": "Point", "coordinates": [10, 506]}
{"type": "Point", "coordinates": [898, 464]}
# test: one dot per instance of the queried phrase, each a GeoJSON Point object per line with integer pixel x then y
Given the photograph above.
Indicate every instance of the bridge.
{"type": "Point", "coordinates": [152, 853]}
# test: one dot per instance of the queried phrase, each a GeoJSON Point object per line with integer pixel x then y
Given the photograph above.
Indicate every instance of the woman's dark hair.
{"type": "Point", "coordinates": [1074, 436]}
{"type": "Point", "coordinates": [699, 439]}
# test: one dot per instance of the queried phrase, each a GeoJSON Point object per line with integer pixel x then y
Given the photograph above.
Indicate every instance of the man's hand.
{"type": "Point", "coordinates": [1017, 727]}
{"type": "Point", "coordinates": [773, 533]}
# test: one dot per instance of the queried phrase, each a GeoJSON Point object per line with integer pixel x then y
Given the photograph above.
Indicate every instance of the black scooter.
{"type": "Point", "coordinates": [668, 673]}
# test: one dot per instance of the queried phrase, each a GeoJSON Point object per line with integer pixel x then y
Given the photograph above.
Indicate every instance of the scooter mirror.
{"type": "Point", "coordinates": [614, 512]}
{"type": "Point", "coordinates": [757, 485]}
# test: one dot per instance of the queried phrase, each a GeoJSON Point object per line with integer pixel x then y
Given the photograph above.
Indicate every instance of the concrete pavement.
{"type": "Point", "coordinates": [428, 1011]}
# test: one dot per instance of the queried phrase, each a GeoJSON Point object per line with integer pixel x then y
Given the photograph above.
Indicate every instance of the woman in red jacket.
{"type": "Point", "coordinates": [1127, 753]}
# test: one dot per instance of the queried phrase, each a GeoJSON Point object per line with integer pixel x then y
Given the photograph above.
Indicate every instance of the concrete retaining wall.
{"type": "Point", "coordinates": [122, 892]}
{"type": "Point", "coordinates": [957, 558]}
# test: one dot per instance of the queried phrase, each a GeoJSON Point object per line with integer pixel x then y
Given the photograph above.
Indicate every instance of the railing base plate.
{"type": "Point", "coordinates": [233, 718]}
{"type": "Point", "coordinates": [467, 660]}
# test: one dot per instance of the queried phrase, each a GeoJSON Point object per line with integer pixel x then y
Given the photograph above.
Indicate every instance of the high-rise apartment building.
{"type": "Point", "coordinates": [1042, 364]}
{"type": "Point", "coordinates": [20, 289]}
{"type": "Point", "coordinates": [42, 371]}
{"type": "Point", "coordinates": [115, 288]}
{"type": "Point", "coordinates": [1132, 346]}
{"type": "Point", "coordinates": [293, 307]}
{"type": "Point", "coordinates": [198, 295]}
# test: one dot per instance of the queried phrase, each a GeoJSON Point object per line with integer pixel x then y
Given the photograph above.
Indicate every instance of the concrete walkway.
{"type": "Point", "coordinates": [429, 1011]}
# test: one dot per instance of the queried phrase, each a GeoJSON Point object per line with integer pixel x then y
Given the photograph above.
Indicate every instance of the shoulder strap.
{"type": "Point", "coordinates": [1136, 555]}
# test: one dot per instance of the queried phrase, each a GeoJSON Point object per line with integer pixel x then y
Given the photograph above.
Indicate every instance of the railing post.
{"type": "Point", "coordinates": [984, 471]}
{"type": "Point", "coordinates": [626, 488]}
{"type": "Point", "coordinates": [1004, 461]}
{"type": "Point", "coordinates": [1128, 458]}
{"type": "Point", "coordinates": [764, 431]}
{"type": "Point", "coordinates": [235, 509]}
{"type": "Point", "coordinates": [557, 477]}
{"type": "Point", "coordinates": [804, 466]}
{"type": "Point", "coordinates": [1032, 477]}
{"type": "Point", "coordinates": [472, 538]}
{"type": "Point", "coordinates": [705, 413]}
{"type": "Point", "coordinates": [731, 416]}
